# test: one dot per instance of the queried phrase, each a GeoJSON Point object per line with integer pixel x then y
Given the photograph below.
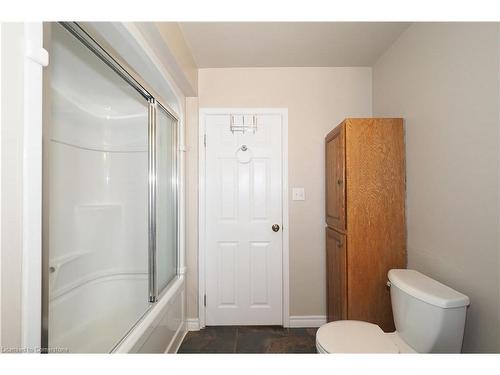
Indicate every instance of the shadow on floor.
{"type": "Point", "coordinates": [250, 339]}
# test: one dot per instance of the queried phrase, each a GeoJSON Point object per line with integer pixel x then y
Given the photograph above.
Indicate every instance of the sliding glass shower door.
{"type": "Point", "coordinates": [166, 199]}
{"type": "Point", "coordinates": [97, 200]}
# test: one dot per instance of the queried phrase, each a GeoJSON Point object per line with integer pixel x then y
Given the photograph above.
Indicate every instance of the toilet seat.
{"type": "Point", "coordinates": [352, 336]}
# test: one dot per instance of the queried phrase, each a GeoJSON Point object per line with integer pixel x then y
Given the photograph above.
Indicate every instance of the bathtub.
{"type": "Point", "coordinates": [159, 328]}
{"type": "Point", "coordinates": [163, 327]}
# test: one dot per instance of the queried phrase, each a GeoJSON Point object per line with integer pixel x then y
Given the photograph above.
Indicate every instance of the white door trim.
{"type": "Point", "coordinates": [201, 204]}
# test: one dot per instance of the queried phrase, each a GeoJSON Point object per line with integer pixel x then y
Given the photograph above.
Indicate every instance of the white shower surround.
{"type": "Point", "coordinates": [162, 327]}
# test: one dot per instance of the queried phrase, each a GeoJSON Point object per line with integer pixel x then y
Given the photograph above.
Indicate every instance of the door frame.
{"type": "Point", "coordinates": [203, 112]}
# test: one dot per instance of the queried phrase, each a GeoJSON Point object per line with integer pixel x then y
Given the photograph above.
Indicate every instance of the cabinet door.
{"type": "Point", "coordinates": [336, 275]}
{"type": "Point", "coordinates": [335, 178]}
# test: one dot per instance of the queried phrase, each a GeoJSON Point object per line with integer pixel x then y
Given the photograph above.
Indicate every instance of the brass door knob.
{"type": "Point", "coordinates": [276, 227]}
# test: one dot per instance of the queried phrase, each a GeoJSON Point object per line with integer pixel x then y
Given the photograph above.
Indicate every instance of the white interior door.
{"type": "Point", "coordinates": [243, 256]}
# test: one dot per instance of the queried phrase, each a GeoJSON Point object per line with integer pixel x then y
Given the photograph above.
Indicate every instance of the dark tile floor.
{"type": "Point", "coordinates": [250, 339]}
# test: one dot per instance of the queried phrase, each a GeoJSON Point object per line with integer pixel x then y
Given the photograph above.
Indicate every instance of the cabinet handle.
{"type": "Point", "coordinates": [340, 182]}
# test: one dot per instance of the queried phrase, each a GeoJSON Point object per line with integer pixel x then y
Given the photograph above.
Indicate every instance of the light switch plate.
{"type": "Point", "coordinates": [298, 194]}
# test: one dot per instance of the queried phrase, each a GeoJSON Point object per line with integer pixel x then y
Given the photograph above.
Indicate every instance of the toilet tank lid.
{"type": "Point", "coordinates": [426, 289]}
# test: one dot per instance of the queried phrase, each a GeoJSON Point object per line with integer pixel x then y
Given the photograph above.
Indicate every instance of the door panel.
{"type": "Point", "coordinates": [243, 200]}
{"type": "Point", "coordinates": [259, 274]}
{"type": "Point", "coordinates": [335, 178]}
{"type": "Point", "coordinates": [226, 275]}
{"type": "Point", "coordinates": [337, 275]}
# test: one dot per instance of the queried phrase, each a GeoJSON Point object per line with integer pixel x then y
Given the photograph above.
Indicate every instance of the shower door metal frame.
{"type": "Point", "coordinates": [153, 291]}
{"type": "Point", "coordinates": [176, 173]}
{"type": "Point", "coordinates": [142, 88]}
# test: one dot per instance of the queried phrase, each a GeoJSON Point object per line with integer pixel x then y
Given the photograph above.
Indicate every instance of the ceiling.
{"type": "Point", "coordinates": [268, 44]}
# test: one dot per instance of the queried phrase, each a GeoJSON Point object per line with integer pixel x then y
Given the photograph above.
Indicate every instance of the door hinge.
{"type": "Point", "coordinates": [205, 300]}
{"type": "Point", "coordinates": [205, 140]}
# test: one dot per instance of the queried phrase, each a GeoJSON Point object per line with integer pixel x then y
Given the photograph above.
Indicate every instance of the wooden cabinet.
{"type": "Point", "coordinates": [335, 179]}
{"type": "Point", "coordinates": [337, 282]}
{"type": "Point", "coordinates": [365, 215]}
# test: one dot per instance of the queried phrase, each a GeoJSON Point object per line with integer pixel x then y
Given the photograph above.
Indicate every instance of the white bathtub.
{"type": "Point", "coordinates": [163, 328]}
{"type": "Point", "coordinates": [82, 327]}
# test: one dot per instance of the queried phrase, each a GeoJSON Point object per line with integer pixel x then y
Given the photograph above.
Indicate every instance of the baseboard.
{"type": "Point", "coordinates": [299, 321]}
{"type": "Point", "coordinates": [193, 324]}
{"type": "Point", "coordinates": [305, 321]}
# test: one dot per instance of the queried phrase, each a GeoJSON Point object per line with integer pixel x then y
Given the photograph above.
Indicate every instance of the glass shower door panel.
{"type": "Point", "coordinates": [97, 200]}
{"type": "Point", "coordinates": [166, 198]}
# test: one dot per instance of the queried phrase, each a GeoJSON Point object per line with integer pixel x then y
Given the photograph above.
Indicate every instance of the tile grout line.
{"type": "Point", "coordinates": [236, 340]}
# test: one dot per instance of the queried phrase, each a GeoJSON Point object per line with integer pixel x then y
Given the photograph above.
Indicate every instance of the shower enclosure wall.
{"type": "Point", "coordinates": [110, 197]}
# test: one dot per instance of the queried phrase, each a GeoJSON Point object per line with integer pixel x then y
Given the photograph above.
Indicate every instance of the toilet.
{"type": "Point", "coordinates": [429, 318]}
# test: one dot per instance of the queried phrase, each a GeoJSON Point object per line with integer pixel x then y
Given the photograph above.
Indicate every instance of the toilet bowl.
{"type": "Point", "coordinates": [429, 318]}
{"type": "Point", "coordinates": [353, 336]}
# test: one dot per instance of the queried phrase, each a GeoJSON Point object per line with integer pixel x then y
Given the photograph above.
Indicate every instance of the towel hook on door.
{"type": "Point", "coordinates": [243, 156]}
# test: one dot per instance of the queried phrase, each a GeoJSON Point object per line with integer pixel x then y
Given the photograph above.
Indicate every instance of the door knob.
{"type": "Point", "coordinates": [276, 227]}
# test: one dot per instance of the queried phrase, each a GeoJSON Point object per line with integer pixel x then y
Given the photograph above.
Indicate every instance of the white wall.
{"type": "Point", "coordinates": [174, 38]}
{"type": "Point", "coordinates": [192, 207]}
{"type": "Point", "coordinates": [11, 230]}
{"type": "Point", "coordinates": [317, 100]}
{"type": "Point", "coordinates": [444, 80]}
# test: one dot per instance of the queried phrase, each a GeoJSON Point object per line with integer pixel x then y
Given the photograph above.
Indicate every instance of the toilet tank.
{"type": "Point", "coordinates": [429, 316]}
